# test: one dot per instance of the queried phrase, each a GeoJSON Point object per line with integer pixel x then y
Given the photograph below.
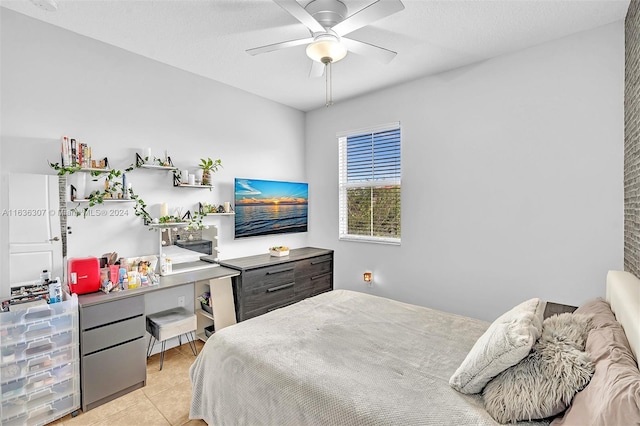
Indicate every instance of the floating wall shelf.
{"type": "Point", "coordinates": [104, 201]}
{"type": "Point", "coordinates": [94, 169]}
{"type": "Point", "coordinates": [186, 185]}
{"type": "Point", "coordinates": [140, 162]}
{"type": "Point", "coordinates": [168, 225]}
{"type": "Point", "coordinates": [157, 167]}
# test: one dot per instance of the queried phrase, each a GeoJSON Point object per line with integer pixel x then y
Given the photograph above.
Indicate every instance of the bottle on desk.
{"type": "Point", "coordinates": [165, 265]}
{"type": "Point", "coordinates": [55, 291]}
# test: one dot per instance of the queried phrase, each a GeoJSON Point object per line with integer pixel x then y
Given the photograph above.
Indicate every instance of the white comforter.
{"type": "Point", "coordinates": [340, 358]}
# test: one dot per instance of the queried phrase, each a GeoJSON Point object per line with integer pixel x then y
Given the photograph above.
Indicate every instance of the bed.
{"type": "Point", "coordinates": [348, 358]}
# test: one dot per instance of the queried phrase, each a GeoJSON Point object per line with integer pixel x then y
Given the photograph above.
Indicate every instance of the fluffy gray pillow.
{"type": "Point", "coordinates": [543, 383]}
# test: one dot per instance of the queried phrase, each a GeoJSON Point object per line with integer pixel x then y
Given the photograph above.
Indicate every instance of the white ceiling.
{"type": "Point", "coordinates": [209, 38]}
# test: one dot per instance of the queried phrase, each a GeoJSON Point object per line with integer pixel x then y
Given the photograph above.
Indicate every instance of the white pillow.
{"type": "Point", "coordinates": [505, 343]}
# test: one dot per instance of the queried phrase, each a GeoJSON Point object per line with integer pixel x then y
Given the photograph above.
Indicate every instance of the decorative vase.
{"type": "Point", "coordinates": [79, 181]}
{"type": "Point", "coordinates": [199, 175]}
{"type": "Point", "coordinates": [206, 177]}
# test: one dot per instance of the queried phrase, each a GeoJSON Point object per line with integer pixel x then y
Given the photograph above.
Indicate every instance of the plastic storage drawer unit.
{"type": "Point", "coordinates": [39, 363]}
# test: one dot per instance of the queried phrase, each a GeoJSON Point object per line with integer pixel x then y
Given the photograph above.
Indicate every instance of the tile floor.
{"type": "Point", "coordinates": [164, 400]}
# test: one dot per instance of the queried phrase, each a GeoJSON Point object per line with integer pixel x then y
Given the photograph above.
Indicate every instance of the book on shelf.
{"type": "Point", "coordinates": [74, 153]}
{"type": "Point", "coordinates": [70, 152]}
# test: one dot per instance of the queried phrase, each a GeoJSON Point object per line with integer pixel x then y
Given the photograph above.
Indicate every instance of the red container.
{"type": "Point", "coordinates": [84, 275]}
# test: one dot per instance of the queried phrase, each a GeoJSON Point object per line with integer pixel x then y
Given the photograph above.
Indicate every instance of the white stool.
{"type": "Point", "coordinates": [171, 323]}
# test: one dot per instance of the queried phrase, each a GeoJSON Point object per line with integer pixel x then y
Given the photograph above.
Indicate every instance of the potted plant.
{"type": "Point", "coordinates": [208, 167]}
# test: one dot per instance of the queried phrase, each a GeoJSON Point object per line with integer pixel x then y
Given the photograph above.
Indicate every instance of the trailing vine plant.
{"type": "Point", "coordinates": [63, 170]}
{"type": "Point", "coordinates": [112, 189]}
{"type": "Point", "coordinates": [140, 207]}
{"type": "Point", "coordinates": [189, 221]}
{"type": "Point", "coordinates": [196, 220]}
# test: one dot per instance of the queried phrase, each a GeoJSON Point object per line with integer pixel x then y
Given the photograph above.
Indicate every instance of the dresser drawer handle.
{"type": "Point", "coordinates": [279, 272]}
{"type": "Point", "coordinates": [319, 276]}
{"type": "Point", "coordinates": [280, 287]}
{"type": "Point", "coordinates": [317, 262]}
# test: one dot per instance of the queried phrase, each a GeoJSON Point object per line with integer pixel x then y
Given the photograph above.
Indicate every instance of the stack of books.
{"type": "Point", "coordinates": [74, 153]}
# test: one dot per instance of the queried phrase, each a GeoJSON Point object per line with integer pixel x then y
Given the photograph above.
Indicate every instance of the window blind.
{"type": "Point", "coordinates": [370, 184]}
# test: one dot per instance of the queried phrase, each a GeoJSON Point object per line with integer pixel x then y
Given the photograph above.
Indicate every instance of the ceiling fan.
{"type": "Point", "coordinates": [328, 23]}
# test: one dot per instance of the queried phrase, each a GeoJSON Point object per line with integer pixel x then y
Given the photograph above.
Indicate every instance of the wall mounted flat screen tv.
{"type": "Point", "coordinates": [266, 207]}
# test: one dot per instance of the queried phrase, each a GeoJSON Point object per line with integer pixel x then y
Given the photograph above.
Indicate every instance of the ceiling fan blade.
{"type": "Point", "coordinates": [317, 69]}
{"type": "Point", "coordinates": [365, 49]}
{"type": "Point", "coordinates": [300, 13]}
{"type": "Point", "coordinates": [278, 46]}
{"type": "Point", "coordinates": [377, 10]}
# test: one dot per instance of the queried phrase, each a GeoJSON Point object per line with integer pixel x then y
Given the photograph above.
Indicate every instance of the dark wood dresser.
{"type": "Point", "coordinates": [266, 282]}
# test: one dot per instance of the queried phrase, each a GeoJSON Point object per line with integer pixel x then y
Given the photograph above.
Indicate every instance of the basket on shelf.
{"type": "Point", "coordinates": [208, 331]}
{"type": "Point", "coordinates": [205, 302]}
{"type": "Point", "coordinates": [206, 307]}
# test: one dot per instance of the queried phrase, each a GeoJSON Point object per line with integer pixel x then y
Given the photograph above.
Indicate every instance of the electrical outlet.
{"type": "Point", "coordinates": [181, 301]}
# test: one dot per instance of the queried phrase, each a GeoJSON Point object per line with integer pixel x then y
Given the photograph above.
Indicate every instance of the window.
{"type": "Point", "coordinates": [370, 184]}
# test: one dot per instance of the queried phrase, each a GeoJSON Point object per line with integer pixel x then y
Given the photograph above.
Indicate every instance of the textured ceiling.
{"type": "Point", "coordinates": [209, 38]}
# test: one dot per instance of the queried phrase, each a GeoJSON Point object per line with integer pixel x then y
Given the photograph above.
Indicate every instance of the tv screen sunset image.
{"type": "Point", "coordinates": [265, 207]}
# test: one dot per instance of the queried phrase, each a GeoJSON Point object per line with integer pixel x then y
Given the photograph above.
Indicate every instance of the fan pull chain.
{"type": "Point", "coordinates": [328, 77]}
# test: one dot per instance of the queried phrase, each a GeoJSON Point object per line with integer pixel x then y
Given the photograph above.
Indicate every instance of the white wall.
{"type": "Point", "coordinates": [512, 179]}
{"type": "Point", "coordinates": [55, 82]}
{"type": "Point", "coordinates": [512, 168]}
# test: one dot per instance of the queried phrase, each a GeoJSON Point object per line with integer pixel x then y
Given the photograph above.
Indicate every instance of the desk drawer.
{"type": "Point", "coordinates": [107, 372]}
{"type": "Point", "coordinates": [314, 266]}
{"type": "Point", "coordinates": [105, 313]}
{"type": "Point", "coordinates": [111, 335]}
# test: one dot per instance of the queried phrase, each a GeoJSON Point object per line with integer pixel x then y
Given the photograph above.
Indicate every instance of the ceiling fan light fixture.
{"type": "Point", "coordinates": [326, 49]}
{"type": "Point", "coordinates": [328, 23]}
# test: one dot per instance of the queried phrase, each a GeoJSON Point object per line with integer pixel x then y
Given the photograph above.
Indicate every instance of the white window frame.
{"type": "Point", "coordinates": [344, 185]}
